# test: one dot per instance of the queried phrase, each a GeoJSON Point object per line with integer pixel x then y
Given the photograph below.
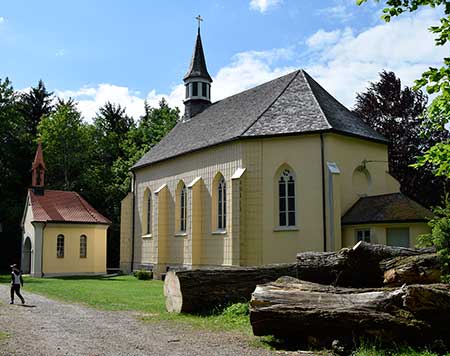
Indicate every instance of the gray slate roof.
{"type": "Point", "coordinates": [292, 104]}
{"type": "Point", "coordinates": [395, 207]}
{"type": "Point", "coordinates": [197, 67]}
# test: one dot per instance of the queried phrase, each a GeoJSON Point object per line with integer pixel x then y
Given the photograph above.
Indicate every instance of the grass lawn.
{"type": "Point", "coordinates": [146, 297]}
{"type": "Point", "coordinates": [129, 293]}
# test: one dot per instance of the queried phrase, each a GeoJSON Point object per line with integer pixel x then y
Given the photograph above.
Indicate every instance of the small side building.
{"type": "Point", "coordinates": [62, 233]}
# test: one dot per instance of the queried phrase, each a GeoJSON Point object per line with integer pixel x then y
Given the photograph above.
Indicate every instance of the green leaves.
{"type": "Point", "coordinates": [438, 157]}
{"type": "Point", "coordinates": [440, 236]}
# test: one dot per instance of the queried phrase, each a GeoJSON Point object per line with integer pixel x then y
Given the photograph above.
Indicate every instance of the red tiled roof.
{"type": "Point", "coordinates": [62, 206]}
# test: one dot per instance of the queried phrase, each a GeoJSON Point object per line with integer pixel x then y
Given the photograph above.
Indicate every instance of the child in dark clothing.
{"type": "Point", "coordinates": [16, 282]}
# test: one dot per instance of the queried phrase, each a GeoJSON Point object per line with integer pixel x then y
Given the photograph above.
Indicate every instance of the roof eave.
{"type": "Point", "coordinates": [365, 222]}
{"type": "Point", "coordinates": [331, 130]}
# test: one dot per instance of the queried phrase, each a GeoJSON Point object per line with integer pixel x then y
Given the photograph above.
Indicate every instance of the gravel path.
{"type": "Point", "coordinates": [48, 327]}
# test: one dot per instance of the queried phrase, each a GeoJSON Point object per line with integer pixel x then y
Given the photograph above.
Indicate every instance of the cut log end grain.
{"type": "Point", "coordinates": [172, 293]}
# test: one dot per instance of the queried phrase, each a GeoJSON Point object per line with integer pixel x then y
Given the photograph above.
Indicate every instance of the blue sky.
{"type": "Point", "coordinates": [128, 51]}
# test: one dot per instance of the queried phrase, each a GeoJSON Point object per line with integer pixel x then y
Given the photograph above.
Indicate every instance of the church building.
{"type": "Point", "coordinates": [259, 176]}
{"type": "Point", "coordinates": [62, 233]}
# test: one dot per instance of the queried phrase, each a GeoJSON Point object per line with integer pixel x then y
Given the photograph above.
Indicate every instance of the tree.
{"type": "Point", "coordinates": [66, 140]}
{"type": "Point", "coordinates": [435, 80]}
{"type": "Point", "coordinates": [34, 105]}
{"type": "Point", "coordinates": [112, 126]}
{"type": "Point", "coordinates": [396, 113]}
{"type": "Point", "coordinates": [14, 147]}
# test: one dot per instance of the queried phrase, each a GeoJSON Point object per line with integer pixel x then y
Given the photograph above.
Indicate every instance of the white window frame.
{"type": "Point", "coordinates": [60, 246]}
{"type": "Point", "coordinates": [286, 178]}
{"type": "Point", "coordinates": [183, 209]}
{"type": "Point", "coordinates": [221, 205]}
{"type": "Point", "coordinates": [83, 246]}
{"type": "Point", "coordinates": [364, 236]}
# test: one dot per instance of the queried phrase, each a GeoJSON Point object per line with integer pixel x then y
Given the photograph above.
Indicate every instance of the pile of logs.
{"type": "Point", "coordinates": [367, 291]}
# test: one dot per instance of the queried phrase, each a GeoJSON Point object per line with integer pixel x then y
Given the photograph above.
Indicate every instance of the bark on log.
{"type": "Point", "coordinates": [206, 289]}
{"type": "Point", "coordinates": [294, 309]}
{"type": "Point", "coordinates": [353, 267]}
{"type": "Point", "coordinates": [420, 269]}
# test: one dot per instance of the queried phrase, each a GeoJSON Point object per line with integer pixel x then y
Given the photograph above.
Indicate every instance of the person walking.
{"type": "Point", "coordinates": [16, 282]}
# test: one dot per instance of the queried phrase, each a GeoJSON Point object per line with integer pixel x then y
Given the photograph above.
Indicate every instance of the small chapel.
{"type": "Point", "coordinates": [259, 176]}
{"type": "Point", "coordinates": [62, 234]}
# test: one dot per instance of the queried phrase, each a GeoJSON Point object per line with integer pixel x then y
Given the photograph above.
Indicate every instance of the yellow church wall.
{"type": "Point", "coordinates": [349, 153]}
{"type": "Point", "coordinates": [215, 248]}
{"type": "Point", "coordinates": [378, 232]}
{"type": "Point", "coordinates": [126, 217]}
{"type": "Point", "coordinates": [265, 242]}
{"type": "Point", "coordinates": [72, 263]}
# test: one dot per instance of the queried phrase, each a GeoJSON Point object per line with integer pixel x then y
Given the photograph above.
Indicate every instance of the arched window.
{"type": "Point", "coordinates": [286, 198]}
{"type": "Point", "coordinates": [148, 227]}
{"type": "Point", "coordinates": [60, 246]}
{"type": "Point", "coordinates": [221, 205]}
{"type": "Point", "coordinates": [183, 208]}
{"type": "Point", "coordinates": [83, 246]}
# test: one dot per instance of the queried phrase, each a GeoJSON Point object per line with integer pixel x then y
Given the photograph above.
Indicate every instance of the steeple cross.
{"type": "Point", "coordinates": [199, 19]}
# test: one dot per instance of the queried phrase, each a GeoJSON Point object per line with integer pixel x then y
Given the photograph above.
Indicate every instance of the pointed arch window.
{"type": "Point", "coordinates": [286, 198]}
{"type": "Point", "coordinates": [183, 208]}
{"type": "Point", "coordinates": [60, 246]}
{"type": "Point", "coordinates": [148, 227]}
{"type": "Point", "coordinates": [222, 205]}
{"type": "Point", "coordinates": [83, 246]}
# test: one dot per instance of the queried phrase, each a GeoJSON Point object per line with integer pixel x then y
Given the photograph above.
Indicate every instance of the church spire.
{"type": "Point", "coordinates": [197, 80]}
{"type": "Point", "coordinates": [38, 169]}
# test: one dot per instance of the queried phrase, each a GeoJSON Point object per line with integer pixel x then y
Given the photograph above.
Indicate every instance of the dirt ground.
{"type": "Point", "coordinates": [48, 327]}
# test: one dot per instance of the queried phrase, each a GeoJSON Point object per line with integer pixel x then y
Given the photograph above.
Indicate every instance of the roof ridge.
{"type": "Point", "coordinates": [314, 96]}
{"type": "Point", "coordinates": [273, 102]}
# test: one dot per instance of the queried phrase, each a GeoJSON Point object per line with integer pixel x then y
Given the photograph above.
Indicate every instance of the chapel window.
{"type": "Point", "coordinates": [83, 246]}
{"type": "Point", "coordinates": [221, 205]}
{"type": "Point", "coordinates": [183, 208]}
{"type": "Point", "coordinates": [60, 246]}
{"type": "Point", "coordinates": [148, 228]}
{"type": "Point", "coordinates": [286, 198]}
{"type": "Point", "coordinates": [204, 89]}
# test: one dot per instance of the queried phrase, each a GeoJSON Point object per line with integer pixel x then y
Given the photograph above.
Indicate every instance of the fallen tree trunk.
{"type": "Point", "coordinates": [206, 289]}
{"type": "Point", "coordinates": [354, 267]}
{"type": "Point", "coordinates": [295, 309]}
{"type": "Point", "coordinates": [420, 269]}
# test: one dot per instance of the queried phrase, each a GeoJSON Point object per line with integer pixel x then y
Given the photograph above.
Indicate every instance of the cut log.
{"type": "Point", "coordinates": [353, 267]}
{"type": "Point", "coordinates": [294, 309]}
{"type": "Point", "coordinates": [420, 269]}
{"type": "Point", "coordinates": [206, 289]}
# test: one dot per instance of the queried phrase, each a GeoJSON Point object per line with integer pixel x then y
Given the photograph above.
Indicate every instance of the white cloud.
{"type": "Point", "coordinates": [60, 53]}
{"type": "Point", "coordinates": [323, 38]}
{"type": "Point", "coordinates": [246, 70]}
{"type": "Point", "coordinates": [263, 5]}
{"type": "Point", "coordinates": [90, 99]}
{"type": "Point", "coordinates": [404, 46]}
{"type": "Point", "coordinates": [2, 19]}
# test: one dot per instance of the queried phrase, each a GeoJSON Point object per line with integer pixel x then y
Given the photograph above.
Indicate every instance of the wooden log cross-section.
{"type": "Point", "coordinates": [291, 308]}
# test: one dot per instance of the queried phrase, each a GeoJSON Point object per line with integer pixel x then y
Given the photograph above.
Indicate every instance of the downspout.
{"type": "Point", "coordinates": [324, 223]}
{"type": "Point", "coordinates": [133, 188]}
